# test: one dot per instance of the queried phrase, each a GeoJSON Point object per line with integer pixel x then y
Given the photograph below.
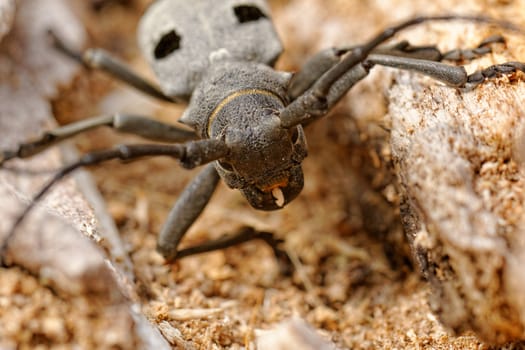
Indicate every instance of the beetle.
{"type": "Point", "coordinates": [247, 119]}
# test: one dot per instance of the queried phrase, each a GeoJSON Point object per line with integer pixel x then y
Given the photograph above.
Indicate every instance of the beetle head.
{"type": "Point", "coordinates": [265, 163]}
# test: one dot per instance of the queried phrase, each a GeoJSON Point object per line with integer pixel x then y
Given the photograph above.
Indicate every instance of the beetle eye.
{"type": "Point", "coordinates": [168, 43]}
{"type": "Point", "coordinates": [225, 165]}
{"type": "Point", "coordinates": [248, 13]}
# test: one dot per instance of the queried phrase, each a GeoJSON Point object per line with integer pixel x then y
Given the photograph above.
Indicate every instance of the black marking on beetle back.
{"type": "Point", "coordinates": [248, 13]}
{"type": "Point", "coordinates": [167, 44]}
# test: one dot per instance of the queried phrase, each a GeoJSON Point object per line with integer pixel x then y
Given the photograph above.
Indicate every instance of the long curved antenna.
{"type": "Point", "coordinates": [190, 155]}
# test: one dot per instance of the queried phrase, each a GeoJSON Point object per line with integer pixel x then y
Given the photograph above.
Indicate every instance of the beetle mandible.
{"type": "Point", "coordinates": [246, 118]}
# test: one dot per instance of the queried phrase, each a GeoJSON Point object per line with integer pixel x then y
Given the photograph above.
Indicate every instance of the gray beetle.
{"type": "Point", "coordinates": [246, 118]}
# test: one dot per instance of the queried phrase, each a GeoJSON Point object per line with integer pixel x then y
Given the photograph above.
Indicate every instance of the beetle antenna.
{"type": "Point", "coordinates": [190, 154]}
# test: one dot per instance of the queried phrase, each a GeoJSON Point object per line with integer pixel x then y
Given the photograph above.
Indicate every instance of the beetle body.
{"type": "Point", "coordinates": [247, 117]}
{"type": "Point", "coordinates": [264, 158]}
{"type": "Point", "coordinates": [222, 62]}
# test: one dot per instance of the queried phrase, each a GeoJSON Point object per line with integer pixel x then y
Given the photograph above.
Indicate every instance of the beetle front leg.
{"type": "Point", "coordinates": [491, 72]}
{"type": "Point", "coordinates": [187, 209]}
{"type": "Point", "coordinates": [313, 68]}
{"type": "Point", "coordinates": [315, 101]}
{"type": "Point", "coordinates": [310, 106]}
{"type": "Point", "coordinates": [432, 52]}
{"type": "Point", "coordinates": [244, 234]}
{"type": "Point", "coordinates": [322, 61]}
{"type": "Point", "coordinates": [468, 54]}
{"type": "Point", "coordinates": [455, 76]}
{"type": "Point", "coordinates": [190, 154]}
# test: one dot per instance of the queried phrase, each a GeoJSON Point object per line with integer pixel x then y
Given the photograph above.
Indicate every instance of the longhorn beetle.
{"type": "Point", "coordinates": [246, 118]}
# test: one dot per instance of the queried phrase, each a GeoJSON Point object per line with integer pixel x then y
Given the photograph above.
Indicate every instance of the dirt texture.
{"type": "Point", "coordinates": [381, 155]}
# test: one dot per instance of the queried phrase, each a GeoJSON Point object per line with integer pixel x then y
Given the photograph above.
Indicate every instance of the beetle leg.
{"type": "Point", "coordinates": [316, 101]}
{"type": "Point", "coordinates": [309, 106]}
{"type": "Point", "coordinates": [450, 75]}
{"type": "Point", "coordinates": [188, 207]}
{"type": "Point", "coordinates": [324, 60]}
{"type": "Point", "coordinates": [494, 71]}
{"type": "Point", "coordinates": [432, 53]}
{"type": "Point", "coordinates": [468, 54]}
{"type": "Point", "coordinates": [101, 59]}
{"type": "Point", "coordinates": [313, 68]}
{"type": "Point", "coordinates": [244, 234]}
{"type": "Point", "coordinates": [190, 154]}
{"type": "Point", "coordinates": [133, 124]}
